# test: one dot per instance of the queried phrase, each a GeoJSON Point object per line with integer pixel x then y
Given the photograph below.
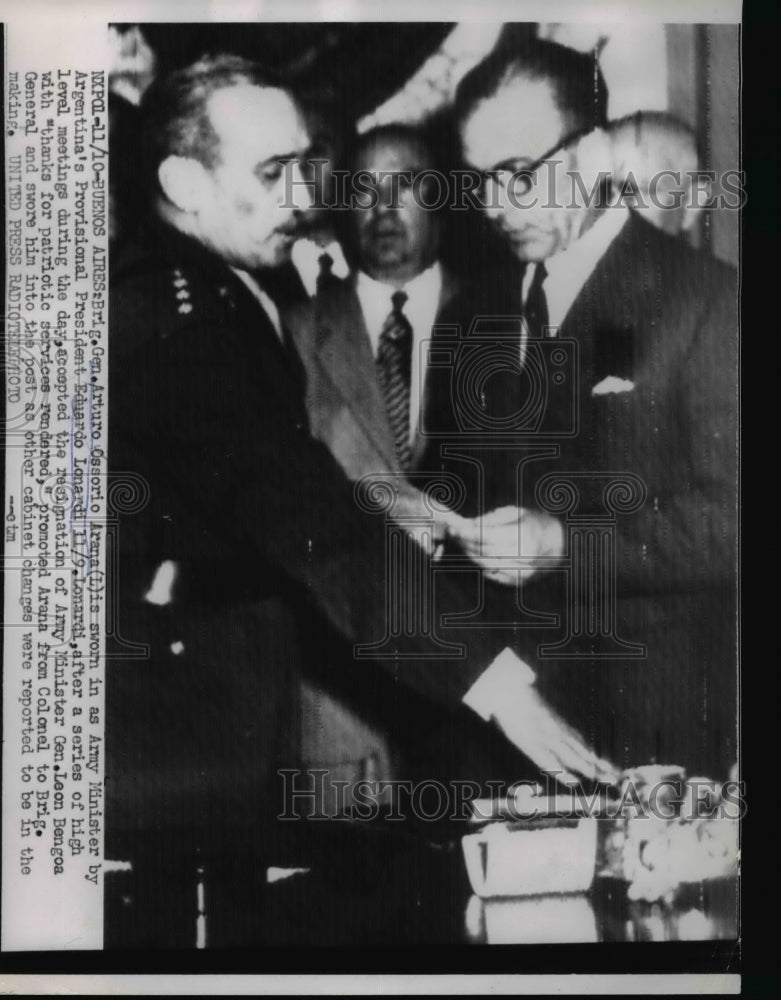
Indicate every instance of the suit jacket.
{"type": "Point", "coordinates": [651, 456]}
{"type": "Point", "coordinates": [647, 460]}
{"type": "Point", "coordinates": [275, 559]}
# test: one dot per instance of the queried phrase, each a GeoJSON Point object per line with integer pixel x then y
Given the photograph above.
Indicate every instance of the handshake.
{"type": "Point", "coordinates": [510, 544]}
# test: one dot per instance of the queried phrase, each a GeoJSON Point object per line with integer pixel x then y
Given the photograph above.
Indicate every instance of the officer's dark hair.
{"type": "Point", "coordinates": [575, 78]}
{"type": "Point", "coordinates": [175, 115]}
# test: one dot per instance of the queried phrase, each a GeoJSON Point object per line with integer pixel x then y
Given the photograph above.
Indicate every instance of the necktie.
{"type": "Point", "coordinates": [535, 310]}
{"type": "Point", "coordinates": [326, 263]}
{"type": "Point", "coordinates": [394, 364]}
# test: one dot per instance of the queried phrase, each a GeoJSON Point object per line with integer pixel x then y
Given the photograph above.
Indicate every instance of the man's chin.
{"type": "Point", "coordinates": [274, 256]}
{"type": "Point", "coordinates": [387, 259]}
{"type": "Point", "coordinates": [532, 249]}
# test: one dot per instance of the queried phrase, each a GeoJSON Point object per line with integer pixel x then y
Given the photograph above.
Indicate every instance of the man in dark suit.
{"type": "Point", "coordinates": [246, 553]}
{"type": "Point", "coordinates": [645, 476]}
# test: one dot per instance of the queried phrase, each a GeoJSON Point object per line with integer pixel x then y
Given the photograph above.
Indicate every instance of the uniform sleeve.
{"type": "Point", "coordinates": [224, 439]}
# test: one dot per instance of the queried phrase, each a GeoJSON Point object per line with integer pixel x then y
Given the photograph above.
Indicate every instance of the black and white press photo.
{"type": "Point", "coordinates": [413, 489]}
{"type": "Point", "coordinates": [427, 359]}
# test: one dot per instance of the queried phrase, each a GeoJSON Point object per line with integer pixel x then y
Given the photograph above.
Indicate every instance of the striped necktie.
{"type": "Point", "coordinates": [394, 364]}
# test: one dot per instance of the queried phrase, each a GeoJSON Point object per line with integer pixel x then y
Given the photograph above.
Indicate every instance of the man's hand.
{"type": "Point", "coordinates": [505, 694]}
{"type": "Point", "coordinates": [511, 544]}
{"type": "Point", "coordinates": [531, 725]}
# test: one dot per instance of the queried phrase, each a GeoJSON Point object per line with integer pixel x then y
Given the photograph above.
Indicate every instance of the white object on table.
{"type": "Point", "coordinates": [502, 861]}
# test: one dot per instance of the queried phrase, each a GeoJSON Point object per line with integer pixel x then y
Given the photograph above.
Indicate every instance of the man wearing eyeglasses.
{"type": "Point", "coordinates": [645, 657]}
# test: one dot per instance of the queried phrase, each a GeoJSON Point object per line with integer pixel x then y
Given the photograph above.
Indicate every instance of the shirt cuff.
{"type": "Point", "coordinates": [506, 674]}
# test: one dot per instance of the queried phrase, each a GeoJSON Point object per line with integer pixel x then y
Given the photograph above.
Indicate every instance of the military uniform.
{"type": "Point", "coordinates": [273, 561]}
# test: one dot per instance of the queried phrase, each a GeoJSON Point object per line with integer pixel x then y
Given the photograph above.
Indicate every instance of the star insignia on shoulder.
{"type": "Point", "coordinates": [182, 286]}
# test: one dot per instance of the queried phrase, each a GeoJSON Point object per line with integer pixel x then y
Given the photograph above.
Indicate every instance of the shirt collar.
{"type": "Point", "coordinates": [569, 269]}
{"type": "Point", "coordinates": [423, 294]}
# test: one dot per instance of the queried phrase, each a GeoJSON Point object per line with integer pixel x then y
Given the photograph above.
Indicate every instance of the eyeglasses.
{"type": "Point", "coordinates": [520, 173]}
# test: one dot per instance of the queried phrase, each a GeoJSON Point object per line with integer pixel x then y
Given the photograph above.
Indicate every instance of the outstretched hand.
{"type": "Point", "coordinates": [531, 725]}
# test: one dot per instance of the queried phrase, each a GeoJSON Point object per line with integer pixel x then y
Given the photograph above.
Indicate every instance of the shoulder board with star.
{"type": "Point", "coordinates": [192, 296]}
{"type": "Point", "coordinates": [154, 299]}
{"type": "Point", "coordinates": [182, 294]}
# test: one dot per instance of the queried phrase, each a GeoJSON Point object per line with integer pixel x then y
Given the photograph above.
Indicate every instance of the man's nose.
{"type": "Point", "coordinates": [385, 205]}
{"type": "Point", "coordinates": [388, 196]}
{"type": "Point", "coordinates": [494, 199]}
{"type": "Point", "coordinates": [302, 187]}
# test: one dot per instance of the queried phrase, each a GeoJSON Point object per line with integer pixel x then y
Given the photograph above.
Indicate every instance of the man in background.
{"type": "Point", "coordinates": [656, 164]}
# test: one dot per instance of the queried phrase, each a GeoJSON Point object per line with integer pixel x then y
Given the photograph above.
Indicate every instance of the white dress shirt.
{"type": "Point", "coordinates": [423, 294]}
{"type": "Point", "coordinates": [505, 678]}
{"type": "Point", "coordinates": [569, 269]}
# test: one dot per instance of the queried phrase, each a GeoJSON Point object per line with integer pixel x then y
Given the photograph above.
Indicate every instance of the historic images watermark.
{"type": "Point", "coordinates": [313, 184]}
{"type": "Point", "coordinates": [314, 794]}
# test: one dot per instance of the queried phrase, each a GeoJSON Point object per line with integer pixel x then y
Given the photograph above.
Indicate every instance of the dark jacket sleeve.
{"type": "Point", "coordinates": [222, 438]}
{"type": "Point", "coordinates": [684, 537]}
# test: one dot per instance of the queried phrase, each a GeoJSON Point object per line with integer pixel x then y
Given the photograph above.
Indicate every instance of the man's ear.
{"type": "Point", "coordinates": [184, 182]}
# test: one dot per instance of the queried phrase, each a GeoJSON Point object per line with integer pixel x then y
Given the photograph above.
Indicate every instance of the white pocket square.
{"type": "Point", "coordinates": [612, 384]}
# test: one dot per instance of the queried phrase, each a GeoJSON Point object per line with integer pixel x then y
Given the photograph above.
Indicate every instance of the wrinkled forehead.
{"type": "Point", "coordinates": [520, 120]}
{"type": "Point", "coordinates": [256, 123]}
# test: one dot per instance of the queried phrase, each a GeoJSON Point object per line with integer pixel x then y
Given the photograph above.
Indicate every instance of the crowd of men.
{"type": "Point", "coordinates": [467, 477]}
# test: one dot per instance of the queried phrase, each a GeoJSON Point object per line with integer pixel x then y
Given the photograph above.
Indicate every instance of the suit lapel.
{"type": "Point", "coordinates": [431, 401]}
{"type": "Point", "coordinates": [450, 289]}
{"type": "Point", "coordinates": [344, 354]}
{"type": "Point", "coordinates": [608, 314]}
